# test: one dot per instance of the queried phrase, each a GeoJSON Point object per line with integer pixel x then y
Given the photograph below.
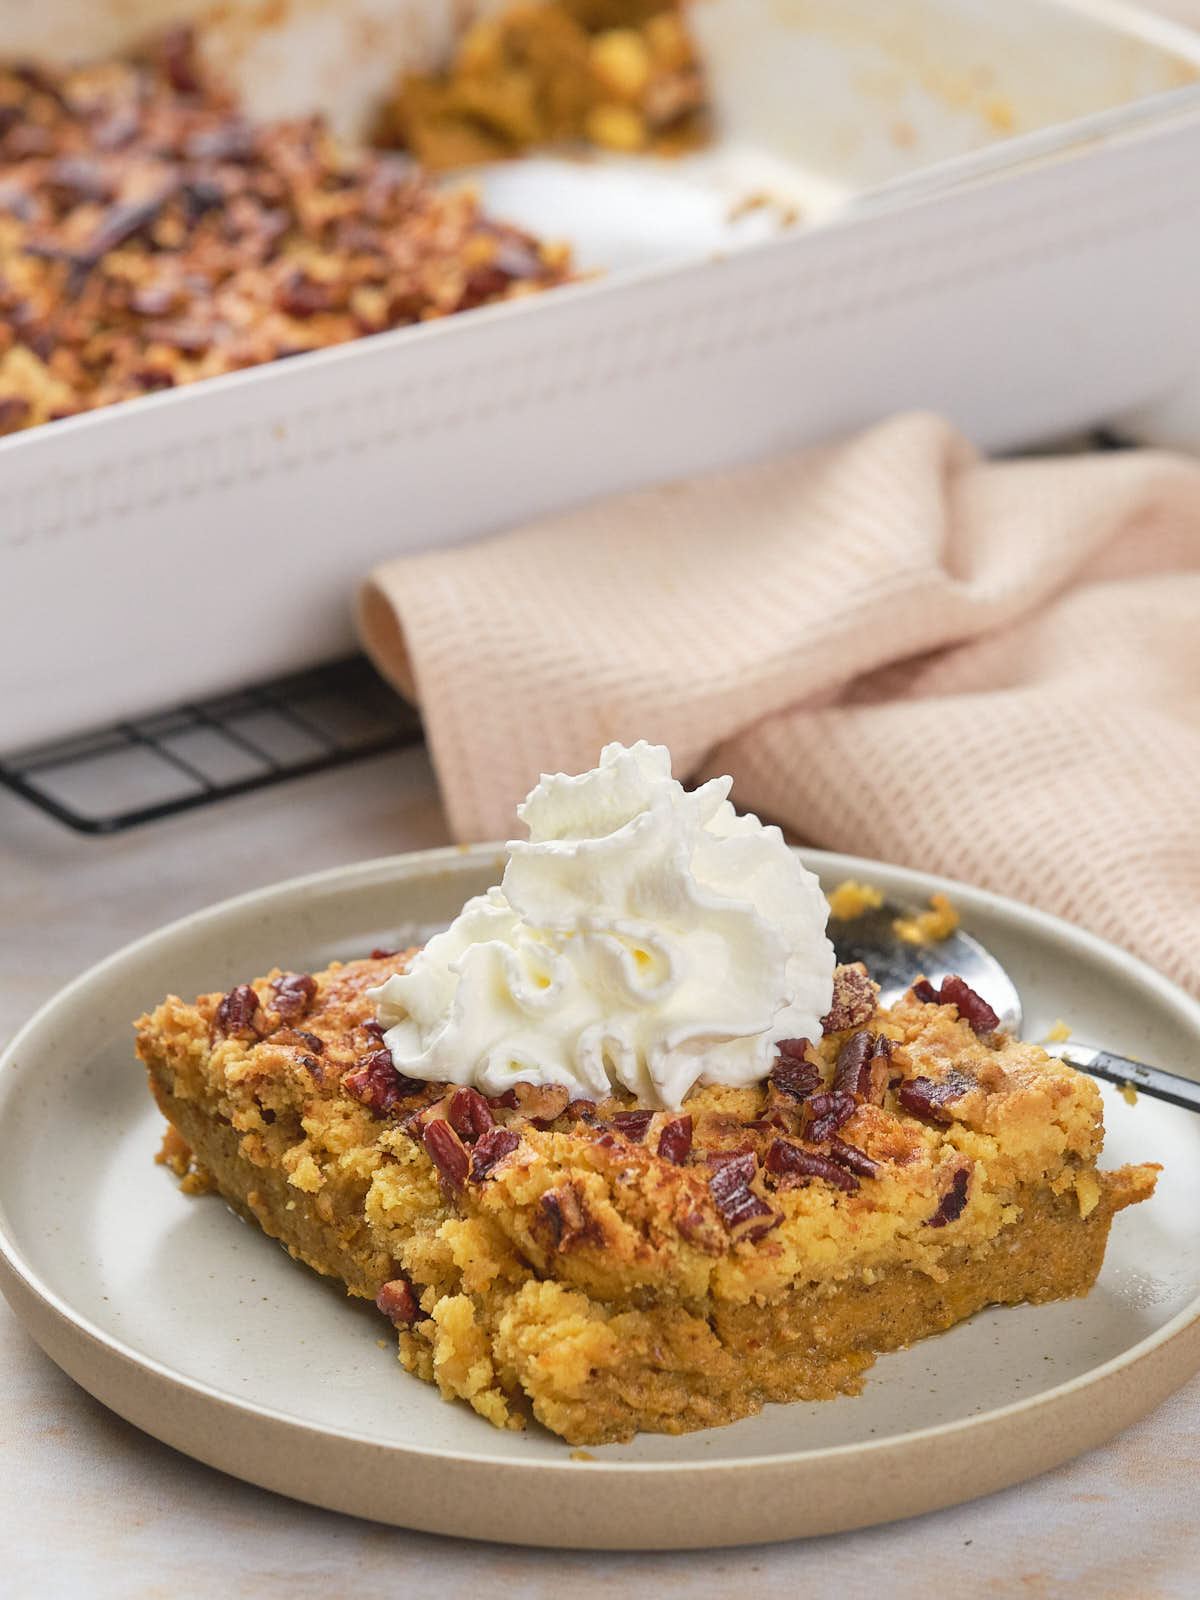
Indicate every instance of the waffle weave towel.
{"type": "Point", "coordinates": [899, 649]}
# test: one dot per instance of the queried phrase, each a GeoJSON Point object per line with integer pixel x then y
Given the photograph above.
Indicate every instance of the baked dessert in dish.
{"type": "Point", "coordinates": [151, 234]}
{"type": "Point", "coordinates": [621, 75]}
{"type": "Point", "coordinates": [691, 1221]}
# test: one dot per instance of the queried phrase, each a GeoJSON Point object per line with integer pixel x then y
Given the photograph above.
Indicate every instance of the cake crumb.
{"type": "Point", "coordinates": [1129, 1093]}
{"type": "Point", "coordinates": [927, 927]}
{"type": "Point", "coordinates": [582, 1455]}
{"type": "Point", "coordinates": [850, 900]}
{"type": "Point", "coordinates": [174, 1152]}
{"type": "Point", "coordinates": [1058, 1032]}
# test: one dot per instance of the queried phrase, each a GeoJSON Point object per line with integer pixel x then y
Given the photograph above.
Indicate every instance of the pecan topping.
{"type": "Point", "coordinates": [746, 1214]}
{"type": "Point", "coordinates": [376, 1083]}
{"type": "Point", "coordinates": [720, 1158]}
{"type": "Point", "coordinates": [177, 51]}
{"type": "Point", "coordinates": [855, 998]}
{"type": "Point", "coordinates": [299, 1036]}
{"type": "Point", "coordinates": [373, 1030]}
{"type": "Point", "coordinates": [926, 1098]}
{"type": "Point", "coordinates": [490, 1149]}
{"type": "Point", "coordinates": [675, 1140]}
{"type": "Point", "coordinates": [849, 1155]}
{"type": "Point", "coordinates": [953, 1200]}
{"type": "Point", "coordinates": [540, 1102]}
{"type": "Point", "coordinates": [141, 193]}
{"type": "Point", "coordinates": [380, 954]}
{"type": "Point", "coordinates": [397, 1301]}
{"type": "Point", "coordinates": [828, 1112]}
{"type": "Point", "coordinates": [13, 411]}
{"type": "Point", "coordinates": [564, 1210]}
{"type": "Point", "coordinates": [864, 1066]}
{"type": "Point", "coordinates": [699, 1227]}
{"type": "Point", "coordinates": [294, 994]}
{"type": "Point", "coordinates": [786, 1160]}
{"type": "Point", "coordinates": [469, 1114]}
{"type": "Point", "coordinates": [632, 1124]}
{"type": "Point", "coordinates": [792, 1073]}
{"type": "Point", "coordinates": [577, 1110]}
{"type": "Point", "coordinates": [235, 1014]}
{"type": "Point", "coordinates": [447, 1152]}
{"type": "Point", "coordinates": [972, 1007]}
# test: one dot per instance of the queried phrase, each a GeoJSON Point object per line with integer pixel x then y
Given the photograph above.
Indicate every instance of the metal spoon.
{"type": "Point", "coordinates": [896, 963]}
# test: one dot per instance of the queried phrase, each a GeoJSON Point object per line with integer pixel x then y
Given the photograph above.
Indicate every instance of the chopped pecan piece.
{"type": "Point", "coordinates": [720, 1158]}
{"type": "Point", "coordinates": [294, 994]}
{"type": "Point", "coordinates": [632, 1124]}
{"type": "Point", "coordinates": [376, 1083]}
{"type": "Point", "coordinates": [926, 1098]}
{"type": "Point", "coordinates": [373, 1030]}
{"type": "Point", "coordinates": [972, 1007]}
{"type": "Point", "coordinates": [794, 1049]}
{"type": "Point", "coordinates": [380, 954]}
{"type": "Point", "coordinates": [490, 1149]}
{"type": "Point", "coordinates": [447, 1152]}
{"type": "Point", "coordinates": [675, 1140]}
{"type": "Point", "coordinates": [13, 411]}
{"type": "Point", "coordinates": [177, 52]}
{"type": "Point", "coordinates": [792, 1073]}
{"type": "Point", "coordinates": [953, 1200]}
{"type": "Point", "coordinates": [564, 1210]}
{"type": "Point", "coordinates": [786, 1160]}
{"type": "Point", "coordinates": [577, 1110]}
{"type": "Point", "coordinates": [699, 1226]}
{"type": "Point", "coordinates": [235, 1014]}
{"type": "Point", "coordinates": [746, 1214]}
{"type": "Point", "coordinates": [299, 1036]}
{"type": "Point", "coordinates": [864, 1066]}
{"type": "Point", "coordinates": [855, 998]}
{"type": "Point", "coordinates": [849, 1155]}
{"type": "Point", "coordinates": [541, 1102]}
{"type": "Point", "coordinates": [398, 1302]}
{"type": "Point", "coordinates": [828, 1112]}
{"type": "Point", "coordinates": [469, 1114]}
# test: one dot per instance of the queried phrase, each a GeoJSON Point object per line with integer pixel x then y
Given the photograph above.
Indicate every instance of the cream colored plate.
{"type": "Point", "coordinates": [203, 1332]}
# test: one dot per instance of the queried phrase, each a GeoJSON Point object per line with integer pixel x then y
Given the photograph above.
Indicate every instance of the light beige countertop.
{"type": "Point", "coordinates": [92, 1507]}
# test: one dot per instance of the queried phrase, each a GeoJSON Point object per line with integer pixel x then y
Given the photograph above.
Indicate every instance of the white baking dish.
{"type": "Point", "coordinates": [1001, 222]}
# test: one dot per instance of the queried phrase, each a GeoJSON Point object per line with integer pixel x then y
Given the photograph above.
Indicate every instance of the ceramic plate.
{"type": "Point", "coordinates": [197, 1328]}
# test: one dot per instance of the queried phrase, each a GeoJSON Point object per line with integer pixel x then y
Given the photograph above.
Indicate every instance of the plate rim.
{"type": "Point", "coordinates": [48, 1317]}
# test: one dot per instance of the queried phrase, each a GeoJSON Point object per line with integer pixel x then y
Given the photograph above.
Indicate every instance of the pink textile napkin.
{"type": "Point", "coordinates": [898, 648]}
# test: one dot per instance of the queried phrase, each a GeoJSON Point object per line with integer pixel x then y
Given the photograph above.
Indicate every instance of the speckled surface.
{"type": "Point", "coordinates": [92, 1506]}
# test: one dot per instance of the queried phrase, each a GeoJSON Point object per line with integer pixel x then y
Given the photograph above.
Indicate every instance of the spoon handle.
{"type": "Point", "coordinates": [1153, 1081]}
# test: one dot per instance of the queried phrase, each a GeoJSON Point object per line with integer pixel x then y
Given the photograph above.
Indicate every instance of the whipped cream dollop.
{"type": "Point", "coordinates": [645, 937]}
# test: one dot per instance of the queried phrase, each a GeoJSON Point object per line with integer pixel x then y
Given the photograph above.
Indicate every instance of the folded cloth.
{"type": "Point", "coordinates": [900, 649]}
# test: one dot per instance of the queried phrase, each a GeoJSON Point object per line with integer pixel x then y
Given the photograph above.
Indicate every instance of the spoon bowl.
{"type": "Point", "coordinates": [895, 963]}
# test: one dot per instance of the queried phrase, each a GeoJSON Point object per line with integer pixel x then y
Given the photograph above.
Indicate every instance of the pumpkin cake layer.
{"type": "Point", "coordinates": [607, 1268]}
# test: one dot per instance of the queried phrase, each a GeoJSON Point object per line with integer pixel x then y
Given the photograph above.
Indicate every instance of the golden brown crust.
{"type": "Point", "coordinates": [612, 1269]}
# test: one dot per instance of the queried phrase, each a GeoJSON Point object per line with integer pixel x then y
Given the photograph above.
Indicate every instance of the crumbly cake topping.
{"type": "Point", "coordinates": [854, 1131]}
{"type": "Point", "coordinates": [609, 1266]}
{"type": "Point", "coordinates": [151, 234]}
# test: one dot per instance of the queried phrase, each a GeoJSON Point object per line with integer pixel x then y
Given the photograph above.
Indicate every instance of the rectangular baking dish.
{"type": "Point", "coordinates": [991, 211]}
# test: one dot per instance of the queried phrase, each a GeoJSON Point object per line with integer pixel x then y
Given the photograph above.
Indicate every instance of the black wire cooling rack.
{"type": "Point", "coordinates": [138, 771]}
